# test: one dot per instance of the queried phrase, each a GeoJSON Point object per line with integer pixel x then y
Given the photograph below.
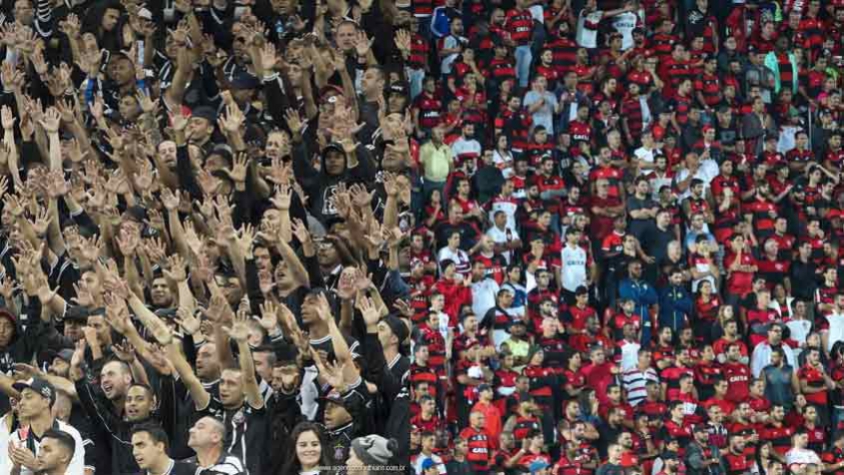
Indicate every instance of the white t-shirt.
{"type": "Point", "coordinates": [587, 37]}
{"type": "Point", "coordinates": [499, 236]}
{"type": "Point", "coordinates": [483, 296]}
{"type": "Point", "coordinates": [543, 116]}
{"type": "Point", "coordinates": [836, 329]}
{"type": "Point", "coordinates": [625, 23]}
{"type": "Point", "coordinates": [573, 273]}
{"type": "Point", "coordinates": [646, 156]}
{"type": "Point", "coordinates": [77, 462]}
{"type": "Point", "coordinates": [801, 457]}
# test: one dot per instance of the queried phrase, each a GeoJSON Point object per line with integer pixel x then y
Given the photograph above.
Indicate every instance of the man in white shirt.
{"type": "Point", "coordinates": [484, 289]}
{"type": "Point", "coordinates": [762, 353]}
{"type": "Point", "coordinates": [799, 456]}
{"type": "Point", "coordinates": [836, 324]}
{"type": "Point", "coordinates": [36, 401]}
{"type": "Point", "coordinates": [504, 238]}
{"type": "Point", "coordinates": [466, 148]}
{"type": "Point", "coordinates": [575, 261]}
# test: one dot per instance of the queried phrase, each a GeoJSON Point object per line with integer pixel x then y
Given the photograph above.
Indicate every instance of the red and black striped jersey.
{"type": "Point", "coordinates": [519, 24]}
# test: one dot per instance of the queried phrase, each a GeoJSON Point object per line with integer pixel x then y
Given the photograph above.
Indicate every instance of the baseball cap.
{"type": "Point", "coordinates": [334, 397]}
{"type": "Point", "coordinates": [397, 326]}
{"type": "Point", "coordinates": [38, 385]}
{"type": "Point", "coordinates": [669, 455]}
{"type": "Point", "coordinates": [65, 353]}
{"type": "Point", "coordinates": [245, 81]}
{"type": "Point", "coordinates": [699, 428]}
{"type": "Point", "coordinates": [205, 112]}
{"type": "Point", "coordinates": [428, 463]}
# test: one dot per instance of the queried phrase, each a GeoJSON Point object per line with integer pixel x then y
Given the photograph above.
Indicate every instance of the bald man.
{"type": "Point", "coordinates": [206, 439]}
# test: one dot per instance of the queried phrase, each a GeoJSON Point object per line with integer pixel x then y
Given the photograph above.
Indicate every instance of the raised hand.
{"type": "Point", "coordinates": [175, 270]}
{"type": "Point", "coordinates": [283, 197]}
{"type": "Point", "coordinates": [232, 122]}
{"type": "Point", "coordinates": [169, 199]}
{"type": "Point", "coordinates": [237, 172]}
{"type": "Point", "coordinates": [246, 239]}
{"type": "Point", "coordinates": [294, 121]}
{"type": "Point", "coordinates": [188, 321]}
{"type": "Point", "coordinates": [269, 316]}
{"type": "Point", "coordinates": [268, 57]}
{"type": "Point", "coordinates": [368, 310]}
{"type": "Point", "coordinates": [7, 118]}
{"type": "Point", "coordinates": [239, 330]}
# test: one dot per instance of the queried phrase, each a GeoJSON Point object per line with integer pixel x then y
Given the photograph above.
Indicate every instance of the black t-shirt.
{"type": "Point", "coordinates": [247, 430]}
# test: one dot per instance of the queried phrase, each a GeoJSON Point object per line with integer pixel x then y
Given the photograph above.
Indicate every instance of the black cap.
{"type": "Point", "coordinates": [484, 387]}
{"type": "Point", "coordinates": [333, 146]}
{"type": "Point", "coordinates": [40, 386]}
{"type": "Point", "coordinates": [670, 455]}
{"type": "Point", "coordinates": [77, 313]}
{"type": "Point", "coordinates": [700, 428]}
{"type": "Point", "coordinates": [205, 112]}
{"type": "Point", "coordinates": [398, 327]}
{"type": "Point", "coordinates": [245, 81]}
{"type": "Point", "coordinates": [398, 88]}
{"type": "Point", "coordinates": [334, 397]}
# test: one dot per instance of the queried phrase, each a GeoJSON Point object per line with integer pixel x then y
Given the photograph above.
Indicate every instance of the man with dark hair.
{"type": "Point", "coordinates": [56, 453]}
{"type": "Point", "coordinates": [35, 406]}
{"type": "Point", "coordinates": [149, 447]}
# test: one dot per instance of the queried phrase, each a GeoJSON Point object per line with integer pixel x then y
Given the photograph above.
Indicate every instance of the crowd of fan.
{"type": "Point", "coordinates": [626, 236]}
{"type": "Point", "coordinates": [204, 204]}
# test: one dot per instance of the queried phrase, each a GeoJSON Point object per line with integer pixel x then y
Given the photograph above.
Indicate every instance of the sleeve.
{"type": "Point", "coordinates": [694, 457]}
{"type": "Point", "coordinates": [757, 361]}
{"type": "Point", "coordinates": [168, 406]}
{"type": "Point", "coordinates": [44, 18]}
{"type": "Point", "coordinates": [77, 463]}
{"type": "Point", "coordinates": [184, 171]}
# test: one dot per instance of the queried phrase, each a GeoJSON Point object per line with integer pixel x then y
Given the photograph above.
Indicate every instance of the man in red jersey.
{"type": "Point", "coordinates": [480, 448]}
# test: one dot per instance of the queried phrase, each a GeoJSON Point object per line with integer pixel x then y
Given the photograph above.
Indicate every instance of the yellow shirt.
{"type": "Point", "coordinates": [436, 161]}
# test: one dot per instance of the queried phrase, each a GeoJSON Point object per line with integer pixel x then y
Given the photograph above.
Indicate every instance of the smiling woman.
{"type": "Point", "coordinates": [307, 450]}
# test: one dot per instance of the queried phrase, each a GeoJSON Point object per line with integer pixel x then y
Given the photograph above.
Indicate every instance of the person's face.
{"type": "Point", "coordinates": [160, 293]}
{"type": "Point", "coordinates": [167, 153]}
{"type": "Point", "coordinates": [263, 364]}
{"type": "Point", "coordinates": [277, 145]}
{"type": "Point", "coordinates": [145, 451]}
{"type": "Point", "coordinates": [203, 434]}
{"type": "Point", "coordinates": [345, 37]}
{"type": "Point", "coordinates": [457, 26]}
{"type": "Point", "coordinates": [308, 449]}
{"type": "Point", "coordinates": [372, 80]}
{"type": "Point", "coordinates": [122, 72]}
{"type": "Point", "coordinates": [335, 162]}
{"type": "Point", "coordinates": [231, 388]}
{"type": "Point", "coordinates": [199, 128]}
{"type": "Point", "coordinates": [207, 364]}
{"type": "Point", "coordinates": [114, 380]}
{"type": "Point", "coordinates": [635, 270]}
{"type": "Point", "coordinates": [139, 403]}
{"type": "Point", "coordinates": [7, 332]}
{"type": "Point", "coordinates": [51, 456]}
{"type": "Point", "coordinates": [32, 404]}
